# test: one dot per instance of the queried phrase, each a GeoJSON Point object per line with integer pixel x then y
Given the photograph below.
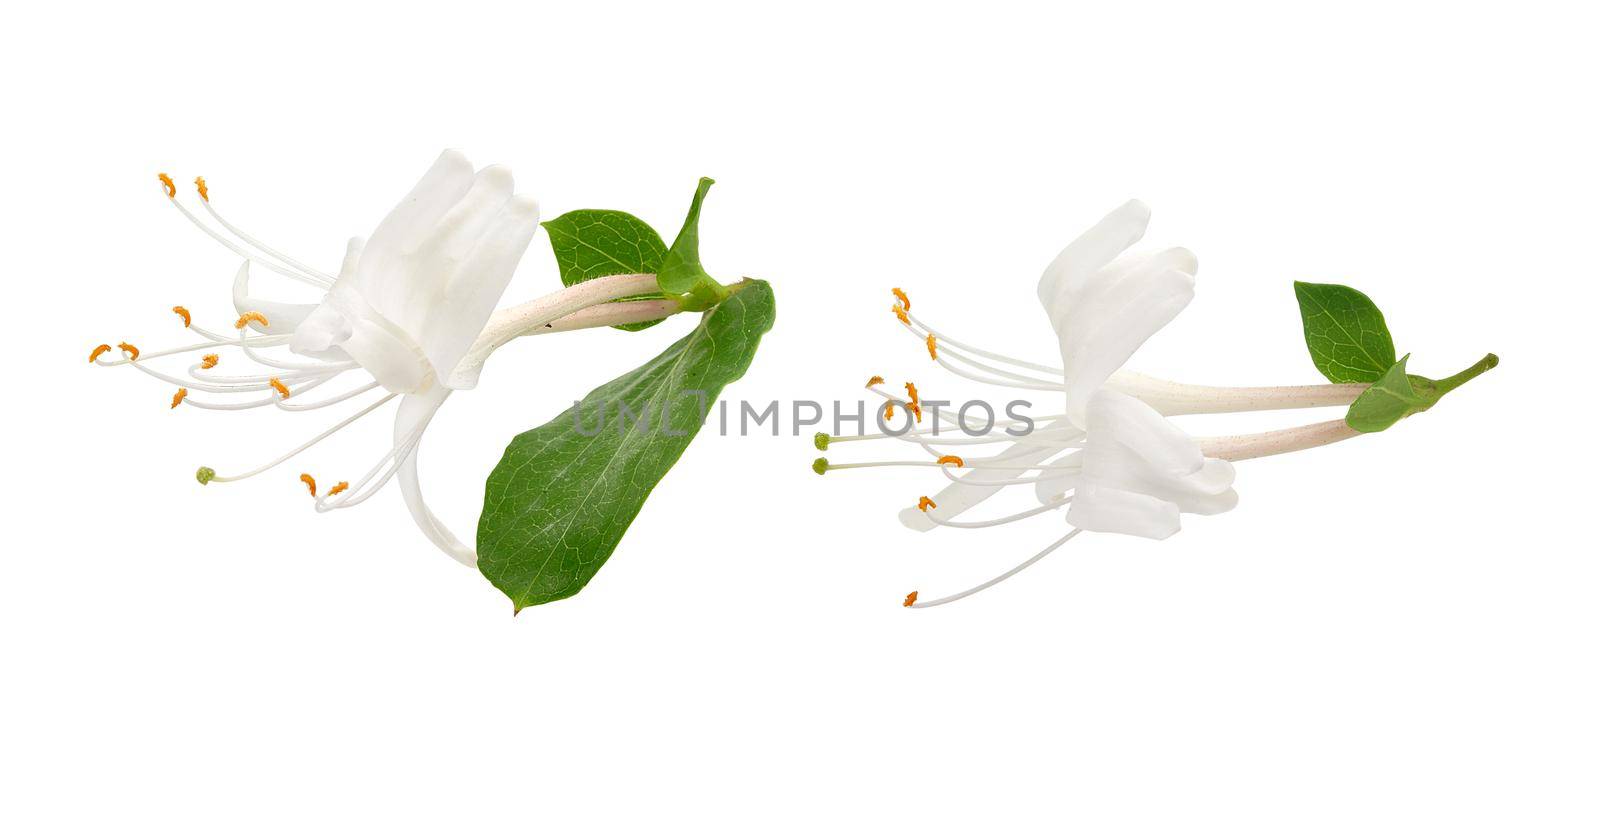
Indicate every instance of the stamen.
{"type": "Point", "coordinates": [916, 410]}
{"type": "Point", "coordinates": [277, 385]}
{"type": "Point", "coordinates": [99, 350]}
{"type": "Point", "coordinates": [166, 181]}
{"type": "Point", "coordinates": [876, 380]}
{"type": "Point", "coordinates": [911, 600]}
{"type": "Point", "coordinates": [200, 184]}
{"type": "Point", "coordinates": [310, 482]}
{"type": "Point", "coordinates": [820, 466]}
{"type": "Point", "coordinates": [339, 488]}
{"type": "Point", "coordinates": [252, 316]}
{"type": "Point", "coordinates": [177, 398]}
{"type": "Point", "coordinates": [901, 295]}
{"type": "Point", "coordinates": [821, 441]}
{"type": "Point", "coordinates": [923, 504]}
{"type": "Point", "coordinates": [933, 348]}
{"type": "Point", "coordinates": [209, 361]}
{"type": "Point", "coordinates": [974, 590]}
{"type": "Point", "coordinates": [888, 413]}
{"type": "Point", "coordinates": [900, 313]}
{"type": "Point", "coordinates": [130, 350]}
{"type": "Point", "coordinates": [204, 475]}
{"type": "Point", "coordinates": [911, 390]}
{"type": "Point", "coordinates": [951, 459]}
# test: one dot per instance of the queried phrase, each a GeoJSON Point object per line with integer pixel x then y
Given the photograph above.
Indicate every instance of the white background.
{"type": "Point", "coordinates": [1396, 630]}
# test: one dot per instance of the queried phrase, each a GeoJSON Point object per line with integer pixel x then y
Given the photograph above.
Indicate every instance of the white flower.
{"type": "Point", "coordinates": [411, 313]}
{"type": "Point", "coordinates": [1111, 454]}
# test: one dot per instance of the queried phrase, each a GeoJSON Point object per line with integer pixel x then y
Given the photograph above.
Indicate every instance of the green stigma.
{"type": "Point", "coordinates": [821, 441]}
{"type": "Point", "coordinates": [204, 474]}
{"type": "Point", "coordinates": [820, 466]}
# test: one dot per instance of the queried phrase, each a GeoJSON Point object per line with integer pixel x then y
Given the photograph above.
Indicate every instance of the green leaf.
{"type": "Point", "coordinates": [592, 243]}
{"type": "Point", "coordinates": [1397, 394]}
{"type": "Point", "coordinates": [559, 501]}
{"type": "Point", "coordinates": [1389, 400]}
{"type": "Point", "coordinates": [681, 273]}
{"type": "Point", "coordinates": [1345, 332]}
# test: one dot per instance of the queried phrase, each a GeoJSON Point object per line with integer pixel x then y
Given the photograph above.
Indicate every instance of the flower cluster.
{"type": "Point", "coordinates": [1111, 456]}
{"type": "Point", "coordinates": [409, 317]}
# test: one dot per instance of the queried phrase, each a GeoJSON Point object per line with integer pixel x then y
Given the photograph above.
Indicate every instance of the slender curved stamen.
{"type": "Point", "coordinates": [323, 403]}
{"type": "Point", "coordinates": [315, 281]}
{"type": "Point", "coordinates": [911, 601]}
{"type": "Point", "coordinates": [255, 242]}
{"type": "Point", "coordinates": [988, 354]}
{"type": "Point", "coordinates": [389, 465]}
{"type": "Point", "coordinates": [1010, 518]}
{"type": "Point", "coordinates": [313, 441]}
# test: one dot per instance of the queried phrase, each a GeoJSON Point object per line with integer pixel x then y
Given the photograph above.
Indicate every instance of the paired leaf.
{"type": "Point", "coordinates": [1345, 332]}
{"type": "Point", "coordinates": [1397, 394]}
{"type": "Point", "coordinates": [681, 273]}
{"type": "Point", "coordinates": [1389, 400]}
{"type": "Point", "coordinates": [592, 243]}
{"type": "Point", "coordinates": [559, 501]}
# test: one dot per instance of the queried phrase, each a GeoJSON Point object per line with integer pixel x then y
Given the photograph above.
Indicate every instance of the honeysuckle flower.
{"type": "Point", "coordinates": [409, 316]}
{"type": "Point", "coordinates": [1110, 456]}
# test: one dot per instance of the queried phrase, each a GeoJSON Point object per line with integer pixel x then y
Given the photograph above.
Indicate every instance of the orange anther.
{"type": "Point", "coordinates": [900, 313]}
{"type": "Point", "coordinates": [99, 350]}
{"type": "Point", "coordinates": [876, 380]}
{"type": "Point", "coordinates": [911, 389]}
{"type": "Point", "coordinates": [888, 412]}
{"type": "Point", "coordinates": [252, 316]}
{"type": "Point", "coordinates": [166, 181]}
{"type": "Point", "coordinates": [951, 459]}
{"type": "Point", "coordinates": [131, 351]}
{"type": "Point", "coordinates": [916, 410]}
{"type": "Point", "coordinates": [339, 488]}
{"type": "Point", "coordinates": [933, 347]}
{"type": "Point", "coordinates": [177, 398]}
{"type": "Point", "coordinates": [310, 482]}
{"type": "Point", "coordinates": [184, 312]}
{"type": "Point", "coordinates": [911, 600]}
{"type": "Point", "coordinates": [200, 184]}
{"type": "Point", "coordinates": [905, 303]}
{"type": "Point", "coordinates": [208, 361]}
{"type": "Point", "coordinates": [279, 387]}
{"type": "Point", "coordinates": [923, 504]}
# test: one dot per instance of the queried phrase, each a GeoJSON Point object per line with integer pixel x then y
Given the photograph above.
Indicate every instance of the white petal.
{"type": "Point", "coordinates": [1119, 321]}
{"type": "Point", "coordinates": [282, 317]}
{"type": "Point", "coordinates": [383, 276]}
{"type": "Point", "coordinates": [478, 286]}
{"type": "Point", "coordinates": [415, 412]}
{"type": "Point", "coordinates": [1122, 512]}
{"type": "Point", "coordinates": [1119, 230]}
{"type": "Point", "coordinates": [1123, 419]}
{"type": "Point", "coordinates": [1034, 449]}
